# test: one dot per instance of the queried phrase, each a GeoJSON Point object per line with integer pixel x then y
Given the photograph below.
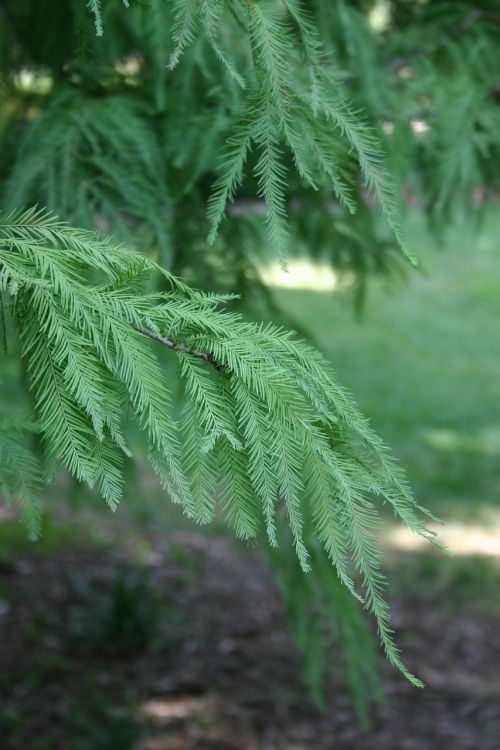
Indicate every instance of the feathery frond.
{"type": "Point", "coordinates": [95, 8]}
{"type": "Point", "coordinates": [265, 423]}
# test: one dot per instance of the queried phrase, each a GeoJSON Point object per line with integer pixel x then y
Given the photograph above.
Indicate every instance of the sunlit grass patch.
{"type": "Point", "coordinates": [304, 273]}
{"type": "Point", "coordinates": [459, 537]}
{"type": "Point", "coordinates": [424, 362]}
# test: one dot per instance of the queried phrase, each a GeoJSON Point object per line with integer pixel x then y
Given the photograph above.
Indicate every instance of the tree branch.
{"type": "Point", "coordinates": [206, 356]}
{"type": "Point", "coordinates": [474, 15]}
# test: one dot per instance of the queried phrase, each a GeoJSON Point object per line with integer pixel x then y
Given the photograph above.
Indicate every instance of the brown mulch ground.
{"type": "Point", "coordinates": [219, 673]}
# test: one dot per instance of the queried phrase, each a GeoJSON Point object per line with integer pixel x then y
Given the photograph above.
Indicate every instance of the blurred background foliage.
{"type": "Point", "coordinates": [99, 130]}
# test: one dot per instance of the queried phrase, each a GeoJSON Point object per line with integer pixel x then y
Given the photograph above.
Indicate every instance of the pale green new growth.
{"type": "Point", "coordinates": [265, 428]}
{"type": "Point", "coordinates": [95, 8]}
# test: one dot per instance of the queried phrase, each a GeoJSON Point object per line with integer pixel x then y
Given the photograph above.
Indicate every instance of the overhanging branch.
{"type": "Point", "coordinates": [206, 356]}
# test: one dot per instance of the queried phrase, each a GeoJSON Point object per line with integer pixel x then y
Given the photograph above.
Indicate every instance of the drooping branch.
{"type": "Point", "coordinates": [206, 356]}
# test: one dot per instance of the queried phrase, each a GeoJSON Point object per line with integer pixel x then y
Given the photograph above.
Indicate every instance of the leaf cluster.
{"type": "Point", "coordinates": [266, 429]}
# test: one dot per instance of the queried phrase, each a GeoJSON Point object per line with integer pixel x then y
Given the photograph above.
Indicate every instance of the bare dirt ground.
{"type": "Point", "coordinates": [193, 654]}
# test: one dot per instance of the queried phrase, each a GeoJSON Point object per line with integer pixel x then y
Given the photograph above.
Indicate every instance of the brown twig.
{"type": "Point", "coordinates": [206, 356]}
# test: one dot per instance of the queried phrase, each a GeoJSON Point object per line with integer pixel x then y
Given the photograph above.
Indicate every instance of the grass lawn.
{"type": "Point", "coordinates": [424, 363]}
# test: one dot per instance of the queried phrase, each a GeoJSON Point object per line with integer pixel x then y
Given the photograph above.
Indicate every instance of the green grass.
{"type": "Point", "coordinates": [424, 363]}
{"type": "Point", "coordinates": [14, 540]}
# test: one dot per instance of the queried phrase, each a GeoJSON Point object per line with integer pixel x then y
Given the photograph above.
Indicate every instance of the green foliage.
{"type": "Point", "coordinates": [167, 123]}
{"type": "Point", "coordinates": [285, 111]}
{"type": "Point", "coordinates": [464, 150]}
{"type": "Point", "coordinates": [181, 106]}
{"type": "Point", "coordinates": [263, 414]}
{"type": "Point", "coordinates": [264, 108]}
{"type": "Point", "coordinates": [95, 8]}
{"type": "Point", "coordinates": [90, 160]}
{"type": "Point", "coordinates": [20, 474]}
{"type": "Point", "coordinates": [322, 616]}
